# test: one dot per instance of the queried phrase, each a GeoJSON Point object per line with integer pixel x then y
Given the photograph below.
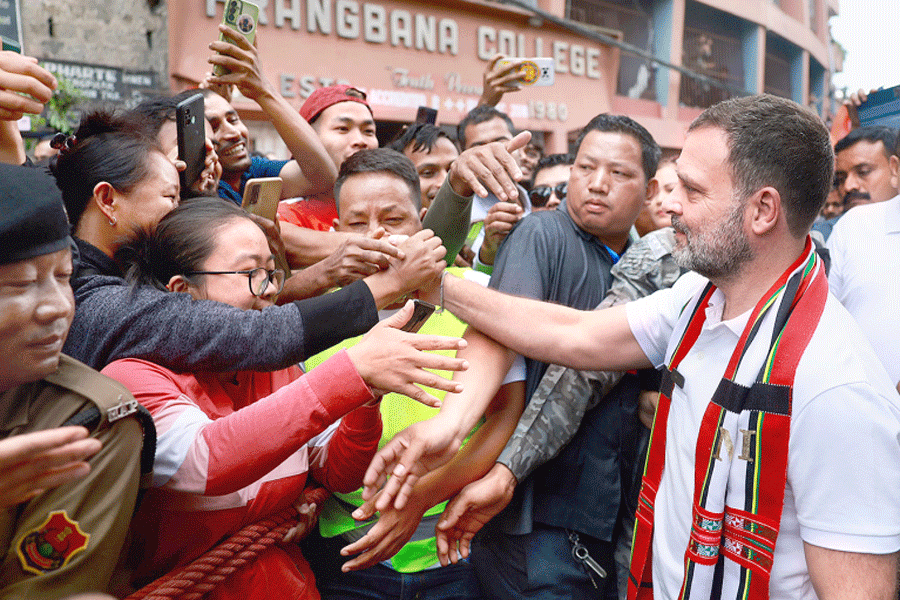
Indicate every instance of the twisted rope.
{"type": "Point", "coordinates": [205, 573]}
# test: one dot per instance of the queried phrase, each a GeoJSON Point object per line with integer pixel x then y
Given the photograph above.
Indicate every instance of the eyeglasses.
{"type": "Point", "coordinates": [541, 194]}
{"type": "Point", "coordinates": [259, 278]}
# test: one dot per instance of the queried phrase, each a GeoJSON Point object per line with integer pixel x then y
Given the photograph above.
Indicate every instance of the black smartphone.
{"type": "Point", "coordinates": [189, 120]}
{"type": "Point", "coordinates": [426, 115]}
{"type": "Point", "coordinates": [421, 311]}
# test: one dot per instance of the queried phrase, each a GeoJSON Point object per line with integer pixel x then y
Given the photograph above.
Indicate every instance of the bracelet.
{"type": "Point", "coordinates": [440, 308]}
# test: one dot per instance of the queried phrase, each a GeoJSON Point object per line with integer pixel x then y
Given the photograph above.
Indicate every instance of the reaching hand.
{"type": "Point", "coordinates": [34, 462]}
{"type": "Point", "coordinates": [418, 449]}
{"type": "Point", "coordinates": [393, 530]}
{"type": "Point", "coordinates": [500, 80]}
{"type": "Point", "coordinates": [468, 511]}
{"type": "Point", "coordinates": [358, 257]}
{"type": "Point", "coordinates": [391, 360]}
{"type": "Point", "coordinates": [500, 220]}
{"type": "Point", "coordinates": [25, 86]}
{"type": "Point", "coordinates": [241, 60]}
{"type": "Point", "coordinates": [489, 167]}
{"type": "Point", "coordinates": [226, 90]}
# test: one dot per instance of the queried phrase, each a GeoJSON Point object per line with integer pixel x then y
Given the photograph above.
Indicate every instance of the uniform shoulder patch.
{"type": "Point", "coordinates": [52, 544]}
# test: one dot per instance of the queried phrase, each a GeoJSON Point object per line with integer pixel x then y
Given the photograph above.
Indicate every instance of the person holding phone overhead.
{"type": "Point", "coordinates": [242, 70]}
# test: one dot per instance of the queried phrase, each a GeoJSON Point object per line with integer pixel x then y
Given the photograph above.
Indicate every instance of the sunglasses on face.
{"type": "Point", "coordinates": [540, 194]}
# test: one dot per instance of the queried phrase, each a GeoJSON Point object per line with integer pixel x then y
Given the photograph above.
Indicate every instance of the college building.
{"type": "Point", "coordinates": [659, 61]}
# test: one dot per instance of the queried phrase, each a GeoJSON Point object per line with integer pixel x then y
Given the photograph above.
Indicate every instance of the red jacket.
{"type": "Point", "coordinates": [235, 448]}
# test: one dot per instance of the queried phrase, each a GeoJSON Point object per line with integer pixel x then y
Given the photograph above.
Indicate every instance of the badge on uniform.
{"type": "Point", "coordinates": [52, 544]}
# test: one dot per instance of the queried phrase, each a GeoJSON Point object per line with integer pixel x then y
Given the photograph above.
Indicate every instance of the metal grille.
{"type": "Point", "coordinates": [634, 19]}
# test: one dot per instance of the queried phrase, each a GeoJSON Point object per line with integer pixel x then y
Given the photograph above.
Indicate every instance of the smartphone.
{"type": "Point", "coordinates": [261, 197]}
{"type": "Point", "coordinates": [881, 108]}
{"type": "Point", "coordinates": [533, 71]}
{"type": "Point", "coordinates": [421, 311]}
{"type": "Point", "coordinates": [242, 16]}
{"type": "Point", "coordinates": [426, 114]}
{"type": "Point", "coordinates": [190, 123]}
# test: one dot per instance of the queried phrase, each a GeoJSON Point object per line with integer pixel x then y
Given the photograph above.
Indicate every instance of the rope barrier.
{"type": "Point", "coordinates": [204, 574]}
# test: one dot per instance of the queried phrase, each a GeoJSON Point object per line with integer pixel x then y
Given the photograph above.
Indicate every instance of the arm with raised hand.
{"type": "Point", "coordinates": [312, 171]}
{"type": "Point", "coordinates": [580, 339]}
{"type": "Point", "coordinates": [498, 80]}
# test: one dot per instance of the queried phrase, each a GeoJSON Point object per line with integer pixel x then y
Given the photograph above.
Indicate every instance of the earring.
{"type": "Point", "coordinates": [113, 221]}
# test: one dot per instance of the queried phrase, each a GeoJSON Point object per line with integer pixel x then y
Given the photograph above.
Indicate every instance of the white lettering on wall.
{"type": "Point", "coordinates": [376, 24]}
{"type": "Point", "coordinates": [593, 63]}
{"type": "Point", "coordinates": [448, 40]}
{"type": "Point", "coordinates": [559, 56]}
{"type": "Point", "coordinates": [347, 13]}
{"type": "Point", "coordinates": [401, 28]}
{"type": "Point", "coordinates": [375, 21]}
{"type": "Point", "coordinates": [282, 12]}
{"type": "Point", "coordinates": [426, 33]}
{"type": "Point", "coordinates": [318, 17]}
{"type": "Point", "coordinates": [486, 34]}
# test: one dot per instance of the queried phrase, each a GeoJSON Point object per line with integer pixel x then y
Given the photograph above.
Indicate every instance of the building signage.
{"type": "Point", "coordinates": [406, 54]}
{"type": "Point", "coordinates": [11, 25]}
{"type": "Point", "coordinates": [98, 83]}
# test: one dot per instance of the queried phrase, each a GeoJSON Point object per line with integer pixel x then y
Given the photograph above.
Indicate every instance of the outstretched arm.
{"type": "Point", "coordinates": [437, 439]}
{"type": "Point", "coordinates": [592, 340]}
{"type": "Point", "coordinates": [600, 340]}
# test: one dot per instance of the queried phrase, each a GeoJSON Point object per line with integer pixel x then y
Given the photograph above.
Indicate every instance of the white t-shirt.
{"type": "Point", "coordinates": [843, 488]}
{"type": "Point", "coordinates": [865, 275]}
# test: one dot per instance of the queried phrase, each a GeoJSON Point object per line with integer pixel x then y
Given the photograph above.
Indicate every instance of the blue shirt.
{"type": "Point", "coordinates": [259, 167]}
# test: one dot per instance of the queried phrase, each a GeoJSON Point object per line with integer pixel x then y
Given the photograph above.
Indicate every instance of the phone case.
{"type": "Point", "coordinates": [242, 16]}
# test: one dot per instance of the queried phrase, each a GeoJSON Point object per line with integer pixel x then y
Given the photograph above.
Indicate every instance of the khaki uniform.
{"type": "Point", "coordinates": [67, 540]}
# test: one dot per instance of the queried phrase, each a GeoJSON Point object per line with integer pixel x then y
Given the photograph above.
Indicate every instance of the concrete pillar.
{"type": "Point", "coordinates": [754, 51]}
{"type": "Point", "coordinates": [800, 77]}
{"type": "Point", "coordinates": [554, 7]}
{"type": "Point", "coordinates": [676, 29]}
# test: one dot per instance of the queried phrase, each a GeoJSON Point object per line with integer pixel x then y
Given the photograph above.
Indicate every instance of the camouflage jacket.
{"type": "Point", "coordinates": [562, 397]}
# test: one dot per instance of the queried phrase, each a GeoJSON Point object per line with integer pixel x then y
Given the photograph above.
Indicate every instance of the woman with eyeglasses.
{"type": "Point", "coordinates": [236, 447]}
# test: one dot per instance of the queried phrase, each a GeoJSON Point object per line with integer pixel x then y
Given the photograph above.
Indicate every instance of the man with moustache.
{"type": "Point", "coordinates": [864, 166]}
{"type": "Point", "coordinates": [768, 388]}
{"type": "Point", "coordinates": [310, 171]}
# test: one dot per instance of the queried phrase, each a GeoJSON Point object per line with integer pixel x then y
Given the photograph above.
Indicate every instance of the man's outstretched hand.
{"type": "Point", "coordinates": [390, 360]}
{"type": "Point", "coordinates": [490, 167]}
{"type": "Point", "coordinates": [470, 510]}
{"type": "Point", "coordinates": [418, 449]}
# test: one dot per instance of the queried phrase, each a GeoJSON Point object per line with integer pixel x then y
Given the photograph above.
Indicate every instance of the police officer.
{"type": "Point", "coordinates": [64, 540]}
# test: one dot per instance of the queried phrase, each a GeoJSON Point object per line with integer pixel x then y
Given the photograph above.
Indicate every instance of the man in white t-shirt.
{"type": "Point", "coordinates": [777, 469]}
{"type": "Point", "coordinates": [865, 246]}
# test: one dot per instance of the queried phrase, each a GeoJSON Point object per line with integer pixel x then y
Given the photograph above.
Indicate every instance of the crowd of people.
{"type": "Point", "coordinates": [647, 374]}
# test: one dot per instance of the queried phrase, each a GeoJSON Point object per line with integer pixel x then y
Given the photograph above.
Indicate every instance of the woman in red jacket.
{"type": "Point", "coordinates": [236, 447]}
